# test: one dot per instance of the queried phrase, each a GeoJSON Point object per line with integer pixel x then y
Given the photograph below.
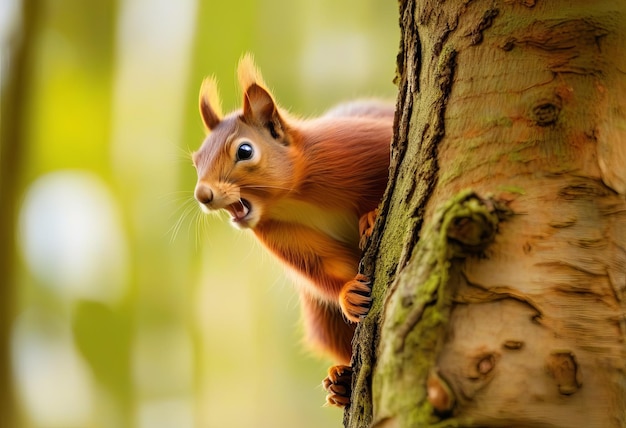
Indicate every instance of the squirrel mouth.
{"type": "Point", "coordinates": [239, 210]}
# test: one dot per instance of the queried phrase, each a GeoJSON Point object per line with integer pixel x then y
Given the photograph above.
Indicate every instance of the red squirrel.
{"type": "Point", "coordinates": [308, 190]}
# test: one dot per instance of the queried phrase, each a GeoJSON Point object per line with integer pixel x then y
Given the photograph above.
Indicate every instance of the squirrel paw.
{"type": "Point", "coordinates": [355, 298]}
{"type": "Point", "coordinates": [366, 226]}
{"type": "Point", "coordinates": [338, 384]}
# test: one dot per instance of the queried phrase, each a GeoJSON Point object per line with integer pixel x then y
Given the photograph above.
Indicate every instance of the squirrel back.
{"type": "Point", "coordinates": [301, 186]}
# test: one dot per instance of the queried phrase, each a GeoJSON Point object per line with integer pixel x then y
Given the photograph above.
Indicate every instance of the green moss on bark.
{"type": "Point", "coordinates": [418, 307]}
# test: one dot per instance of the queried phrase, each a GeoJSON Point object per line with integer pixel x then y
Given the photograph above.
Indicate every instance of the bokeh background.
{"type": "Point", "coordinates": [121, 305]}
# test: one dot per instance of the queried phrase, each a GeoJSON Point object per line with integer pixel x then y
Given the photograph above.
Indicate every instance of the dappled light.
{"type": "Point", "coordinates": [71, 237]}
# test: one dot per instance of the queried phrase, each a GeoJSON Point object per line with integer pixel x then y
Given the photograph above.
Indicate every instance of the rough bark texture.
{"type": "Point", "coordinates": [499, 257]}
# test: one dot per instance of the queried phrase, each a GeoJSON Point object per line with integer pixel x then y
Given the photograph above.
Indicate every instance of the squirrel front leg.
{"type": "Point", "coordinates": [355, 298]}
{"type": "Point", "coordinates": [355, 301]}
{"type": "Point", "coordinates": [366, 226]}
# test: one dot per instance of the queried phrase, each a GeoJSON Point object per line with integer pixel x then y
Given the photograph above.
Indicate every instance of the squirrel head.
{"type": "Point", "coordinates": [246, 161]}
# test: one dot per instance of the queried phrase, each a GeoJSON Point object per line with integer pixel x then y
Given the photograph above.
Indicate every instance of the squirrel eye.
{"type": "Point", "coordinates": [244, 151]}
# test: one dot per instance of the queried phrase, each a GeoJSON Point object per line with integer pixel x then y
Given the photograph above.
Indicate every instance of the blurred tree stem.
{"type": "Point", "coordinates": [12, 148]}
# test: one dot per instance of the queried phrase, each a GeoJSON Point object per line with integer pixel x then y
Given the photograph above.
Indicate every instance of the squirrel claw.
{"type": "Point", "coordinates": [338, 384]}
{"type": "Point", "coordinates": [355, 298]}
{"type": "Point", "coordinates": [366, 227]}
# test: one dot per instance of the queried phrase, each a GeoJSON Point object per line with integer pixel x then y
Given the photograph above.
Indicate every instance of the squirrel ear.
{"type": "Point", "coordinates": [210, 108]}
{"type": "Point", "coordinates": [258, 106]}
{"type": "Point", "coordinates": [259, 109]}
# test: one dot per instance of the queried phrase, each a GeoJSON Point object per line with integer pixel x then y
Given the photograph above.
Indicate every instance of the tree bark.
{"type": "Point", "coordinates": [499, 255]}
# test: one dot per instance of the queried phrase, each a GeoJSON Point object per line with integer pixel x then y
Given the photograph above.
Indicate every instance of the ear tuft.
{"type": "Point", "coordinates": [247, 72]}
{"type": "Point", "coordinates": [209, 103]}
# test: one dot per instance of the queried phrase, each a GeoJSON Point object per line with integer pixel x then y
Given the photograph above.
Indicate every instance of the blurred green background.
{"type": "Point", "coordinates": [122, 305]}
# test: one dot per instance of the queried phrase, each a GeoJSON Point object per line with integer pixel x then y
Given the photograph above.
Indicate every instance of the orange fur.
{"type": "Point", "coordinates": [301, 192]}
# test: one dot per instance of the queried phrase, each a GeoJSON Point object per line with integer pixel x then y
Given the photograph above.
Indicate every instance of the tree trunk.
{"type": "Point", "coordinates": [499, 256]}
{"type": "Point", "coordinates": [14, 93]}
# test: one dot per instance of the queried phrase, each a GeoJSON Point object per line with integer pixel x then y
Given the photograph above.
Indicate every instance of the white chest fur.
{"type": "Point", "coordinates": [340, 225]}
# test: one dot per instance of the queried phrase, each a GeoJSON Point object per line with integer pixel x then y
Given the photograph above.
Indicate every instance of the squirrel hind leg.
{"type": "Point", "coordinates": [326, 329]}
{"type": "Point", "coordinates": [338, 385]}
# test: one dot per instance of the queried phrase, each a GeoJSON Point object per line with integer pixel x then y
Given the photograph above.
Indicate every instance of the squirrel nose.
{"type": "Point", "coordinates": [203, 193]}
